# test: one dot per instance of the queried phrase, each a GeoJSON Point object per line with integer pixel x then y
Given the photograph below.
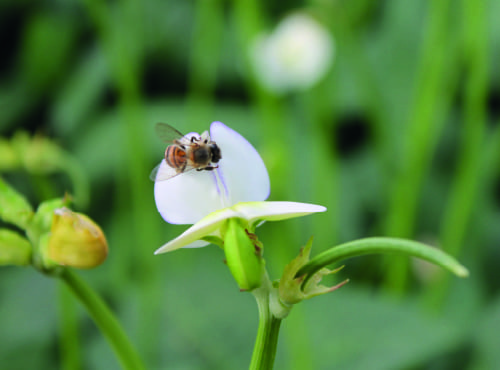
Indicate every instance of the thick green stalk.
{"type": "Point", "coordinates": [69, 344]}
{"type": "Point", "coordinates": [105, 320]}
{"type": "Point", "coordinates": [267, 334]}
{"type": "Point", "coordinates": [425, 123]}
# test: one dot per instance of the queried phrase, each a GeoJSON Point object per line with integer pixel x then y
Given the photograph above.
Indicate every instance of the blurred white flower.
{"type": "Point", "coordinates": [295, 56]}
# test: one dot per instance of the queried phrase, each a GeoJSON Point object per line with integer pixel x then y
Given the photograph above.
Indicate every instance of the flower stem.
{"type": "Point", "coordinates": [69, 344]}
{"type": "Point", "coordinates": [267, 335]}
{"type": "Point", "coordinates": [105, 320]}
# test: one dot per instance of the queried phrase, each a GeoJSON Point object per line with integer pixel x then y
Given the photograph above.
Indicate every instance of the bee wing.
{"type": "Point", "coordinates": [167, 133]}
{"type": "Point", "coordinates": [164, 172]}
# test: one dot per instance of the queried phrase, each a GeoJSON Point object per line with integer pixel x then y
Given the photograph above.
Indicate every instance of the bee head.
{"type": "Point", "coordinates": [215, 150]}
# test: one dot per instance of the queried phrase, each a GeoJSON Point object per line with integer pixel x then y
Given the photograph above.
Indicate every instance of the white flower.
{"type": "Point", "coordinates": [295, 56]}
{"type": "Point", "coordinates": [240, 177]}
{"type": "Point", "coordinates": [252, 212]}
{"type": "Point", "coordinates": [236, 189]}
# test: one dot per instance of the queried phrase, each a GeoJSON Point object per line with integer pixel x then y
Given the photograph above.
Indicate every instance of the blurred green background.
{"type": "Point", "coordinates": [401, 138]}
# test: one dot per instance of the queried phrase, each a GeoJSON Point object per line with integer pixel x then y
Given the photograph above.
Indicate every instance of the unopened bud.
{"type": "Point", "coordinates": [243, 256]}
{"type": "Point", "coordinates": [75, 240]}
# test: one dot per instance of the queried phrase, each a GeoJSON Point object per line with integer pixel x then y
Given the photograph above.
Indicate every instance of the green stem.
{"type": "Point", "coordinates": [381, 245]}
{"type": "Point", "coordinates": [204, 59]}
{"type": "Point", "coordinates": [104, 319]}
{"type": "Point", "coordinates": [425, 123]}
{"type": "Point", "coordinates": [69, 342]}
{"type": "Point", "coordinates": [471, 172]}
{"type": "Point", "coordinates": [267, 335]}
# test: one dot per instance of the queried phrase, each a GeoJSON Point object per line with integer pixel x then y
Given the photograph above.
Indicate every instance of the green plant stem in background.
{"type": "Point", "coordinates": [351, 44]}
{"type": "Point", "coordinates": [204, 59]}
{"type": "Point", "coordinates": [69, 344]}
{"type": "Point", "coordinates": [267, 334]}
{"type": "Point", "coordinates": [105, 320]}
{"type": "Point", "coordinates": [470, 169]}
{"type": "Point", "coordinates": [425, 124]}
{"type": "Point", "coordinates": [273, 127]}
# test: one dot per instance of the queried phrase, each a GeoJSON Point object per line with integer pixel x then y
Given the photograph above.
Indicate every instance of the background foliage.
{"type": "Point", "coordinates": [401, 138]}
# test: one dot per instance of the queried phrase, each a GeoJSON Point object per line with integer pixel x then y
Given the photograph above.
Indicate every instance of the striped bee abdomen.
{"type": "Point", "coordinates": [175, 157]}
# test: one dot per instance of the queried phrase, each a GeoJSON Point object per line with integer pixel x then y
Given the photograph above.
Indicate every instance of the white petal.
{"type": "Point", "coordinates": [202, 228]}
{"type": "Point", "coordinates": [250, 211]}
{"type": "Point", "coordinates": [188, 197]}
{"type": "Point", "coordinates": [274, 211]}
{"type": "Point", "coordinates": [241, 169]}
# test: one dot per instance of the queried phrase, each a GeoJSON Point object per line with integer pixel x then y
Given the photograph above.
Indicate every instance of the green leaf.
{"type": "Point", "coordinates": [382, 245]}
{"type": "Point", "coordinates": [14, 208]}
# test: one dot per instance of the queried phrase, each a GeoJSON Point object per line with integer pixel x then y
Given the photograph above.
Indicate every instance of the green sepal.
{"type": "Point", "coordinates": [243, 255]}
{"type": "Point", "coordinates": [14, 208]}
{"type": "Point", "coordinates": [45, 213]}
{"type": "Point", "coordinates": [292, 288]}
{"type": "Point", "coordinates": [214, 240]}
{"type": "Point", "coordinates": [39, 230]}
{"type": "Point", "coordinates": [44, 262]}
{"type": "Point", "coordinates": [14, 249]}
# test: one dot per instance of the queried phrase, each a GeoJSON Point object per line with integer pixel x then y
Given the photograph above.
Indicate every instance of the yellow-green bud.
{"type": "Point", "coordinates": [14, 249]}
{"type": "Point", "coordinates": [243, 256]}
{"type": "Point", "coordinates": [75, 240]}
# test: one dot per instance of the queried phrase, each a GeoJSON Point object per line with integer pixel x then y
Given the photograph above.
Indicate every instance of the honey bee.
{"type": "Point", "coordinates": [185, 154]}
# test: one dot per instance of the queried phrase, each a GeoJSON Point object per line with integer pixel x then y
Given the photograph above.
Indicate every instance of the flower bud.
{"type": "Point", "coordinates": [75, 240]}
{"type": "Point", "coordinates": [243, 256]}
{"type": "Point", "coordinates": [14, 249]}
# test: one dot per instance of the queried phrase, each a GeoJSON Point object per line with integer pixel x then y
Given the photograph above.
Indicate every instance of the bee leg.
{"type": "Point", "coordinates": [210, 168]}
